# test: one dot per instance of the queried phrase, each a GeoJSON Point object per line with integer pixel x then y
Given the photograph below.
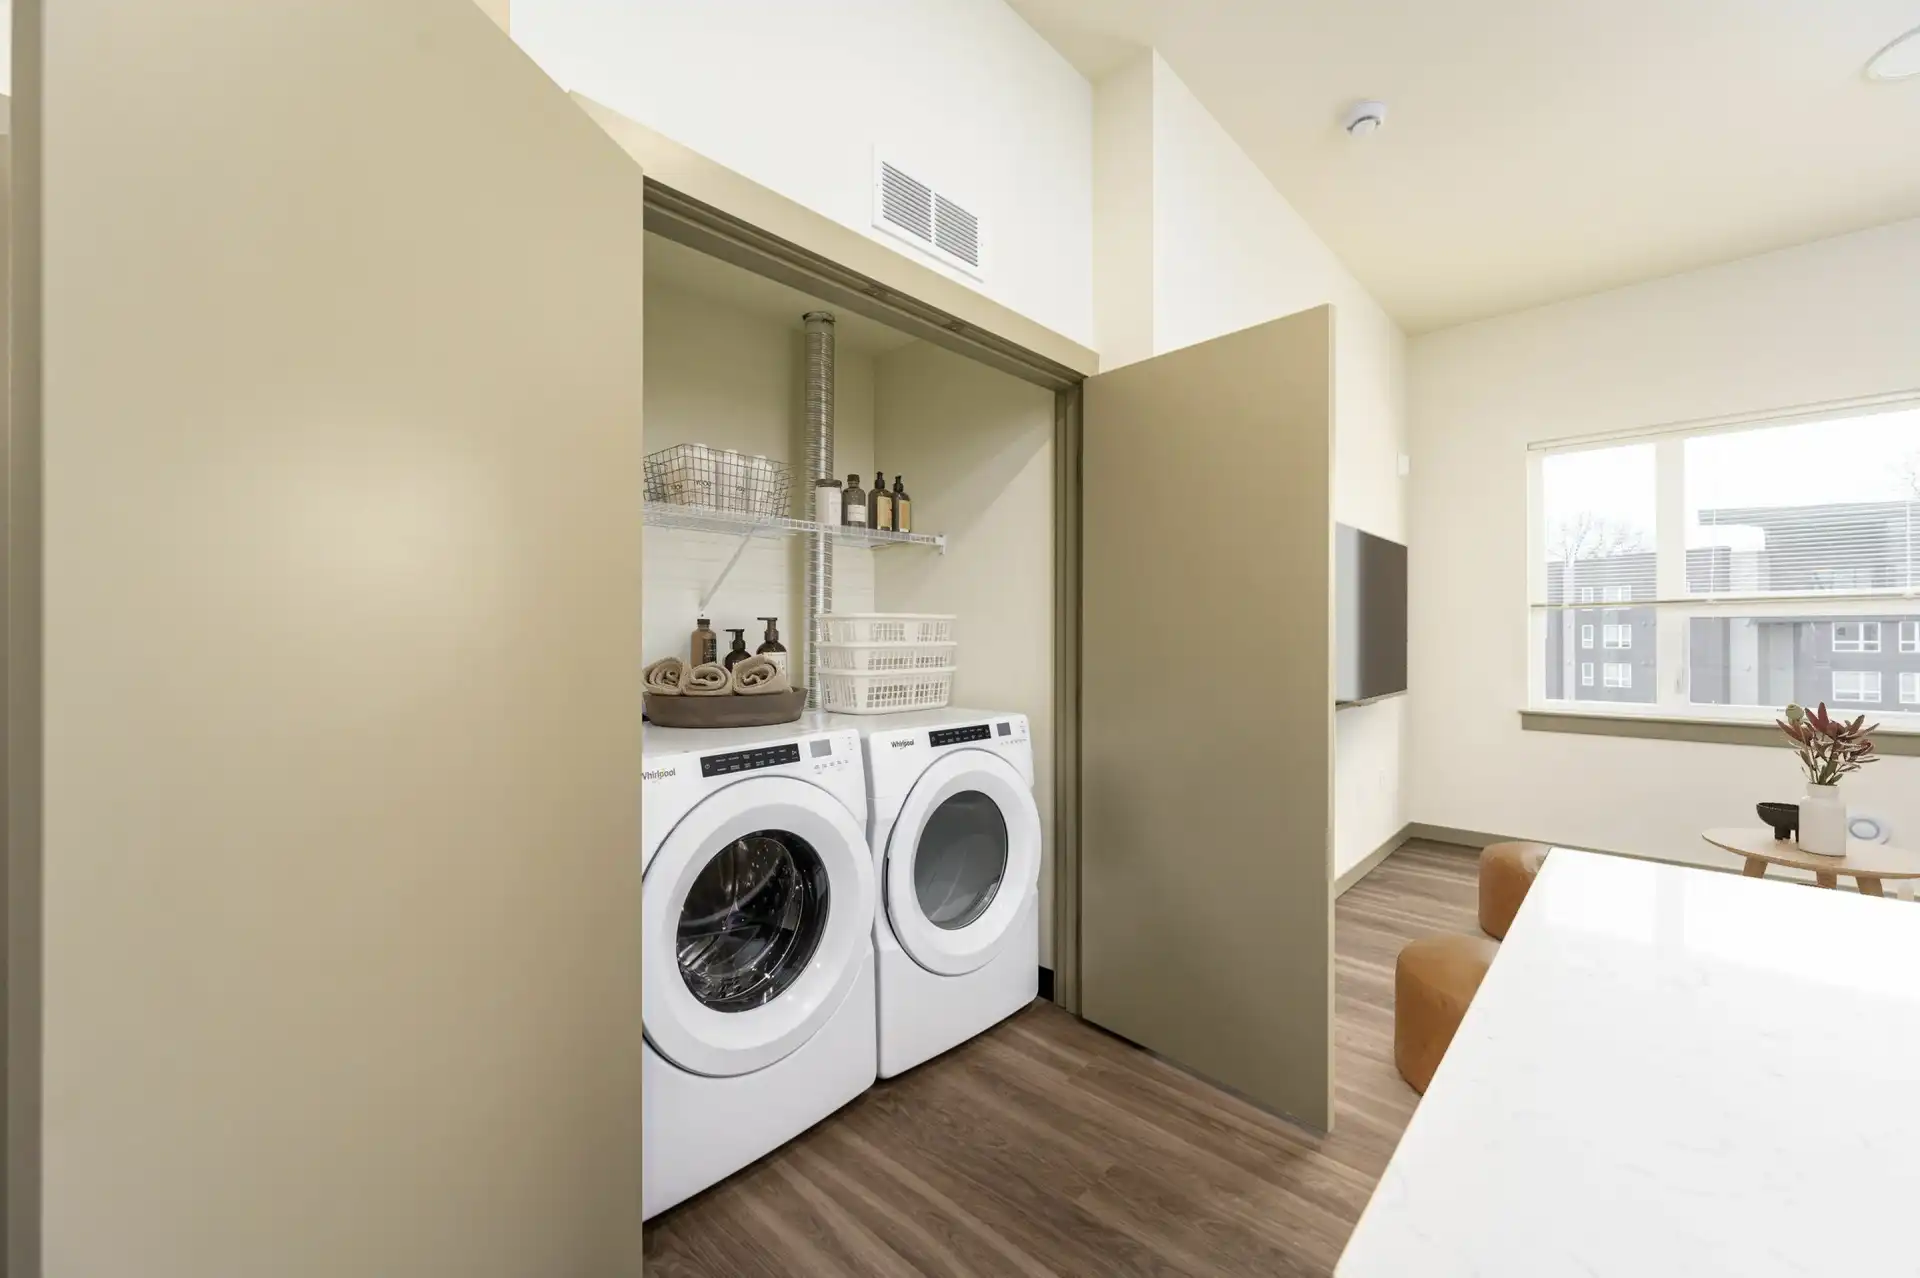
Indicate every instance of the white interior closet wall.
{"type": "Point", "coordinates": [725, 359]}
{"type": "Point", "coordinates": [977, 449]}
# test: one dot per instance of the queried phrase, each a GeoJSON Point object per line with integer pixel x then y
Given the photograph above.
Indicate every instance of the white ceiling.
{"type": "Point", "coordinates": [1540, 149]}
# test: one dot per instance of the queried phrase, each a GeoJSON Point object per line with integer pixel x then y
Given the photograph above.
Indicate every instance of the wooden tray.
{"type": "Point", "coordinates": [726, 712]}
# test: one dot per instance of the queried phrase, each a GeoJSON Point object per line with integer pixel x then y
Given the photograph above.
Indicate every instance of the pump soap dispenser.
{"type": "Point", "coordinates": [773, 650]}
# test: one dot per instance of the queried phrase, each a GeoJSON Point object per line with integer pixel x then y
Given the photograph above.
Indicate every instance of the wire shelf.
{"type": "Point", "coordinates": [661, 514]}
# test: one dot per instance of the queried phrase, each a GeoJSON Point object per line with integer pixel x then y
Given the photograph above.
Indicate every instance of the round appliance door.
{"type": "Point", "coordinates": [756, 915]}
{"type": "Point", "coordinates": [962, 858]}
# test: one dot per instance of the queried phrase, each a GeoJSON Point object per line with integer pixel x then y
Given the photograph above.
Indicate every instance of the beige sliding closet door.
{"type": "Point", "coordinates": [1207, 710]}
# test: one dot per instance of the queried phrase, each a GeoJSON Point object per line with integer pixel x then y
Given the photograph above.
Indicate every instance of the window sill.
{"type": "Point", "coordinates": [1889, 741]}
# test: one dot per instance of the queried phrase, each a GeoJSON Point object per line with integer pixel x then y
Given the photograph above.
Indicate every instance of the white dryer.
{"type": "Point", "coordinates": [757, 928]}
{"type": "Point", "coordinates": [956, 847]}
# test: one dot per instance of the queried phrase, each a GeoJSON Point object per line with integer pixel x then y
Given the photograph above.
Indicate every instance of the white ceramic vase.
{"type": "Point", "coordinates": [1823, 821]}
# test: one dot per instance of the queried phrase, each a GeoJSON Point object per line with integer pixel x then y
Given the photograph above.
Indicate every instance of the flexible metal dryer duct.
{"type": "Point", "coordinates": [819, 427]}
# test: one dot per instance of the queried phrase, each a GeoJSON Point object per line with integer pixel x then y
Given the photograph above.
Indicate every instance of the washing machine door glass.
{"type": "Point", "coordinates": [752, 920]}
{"type": "Point", "coordinates": [963, 861]}
{"type": "Point", "coordinates": [757, 921]}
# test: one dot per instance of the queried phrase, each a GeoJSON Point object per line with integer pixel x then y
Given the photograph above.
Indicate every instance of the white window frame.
{"type": "Point", "coordinates": [1868, 640]}
{"type": "Point", "coordinates": [1673, 601]}
{"type": "Point", "coordinates": [1910, 636]}
{"type": "Point", "coordinates": [1618, 674]}
{"type": "Point", "coordinates": [1619, 637]}
{"type": "Point", "coordinates": [1586, 674]}
{"type": "Point", "coordinates": [1619, 594]}
{"type": "Point", "coordinates": [1586, 637]}
{"type": "Point", "coordinates": [1910, 687]}
{"type": "Point", "coordinates": [1870, 688]}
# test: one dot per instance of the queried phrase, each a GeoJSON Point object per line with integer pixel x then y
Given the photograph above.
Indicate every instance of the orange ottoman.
{"type": "Point", "coordinates": [1433, 982]}
{"type": "Point", "coordinates": [1507, 870]}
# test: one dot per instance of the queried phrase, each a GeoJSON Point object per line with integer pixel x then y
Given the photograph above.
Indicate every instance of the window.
{"type": "Point", "coordinates": [1856, 636]}
{"type": "Point", "coordinates": [1586, 639]}
{"type": "Point", "coordinates": [1586, 674]}
{"type": "Point", "coordinates": [1862, 687]}
{"type": "Point", "coordinates": [1619, 675]}
{"type": "Point", "coordinates": [1738, 564]}
{"type": "Point", "coordinates": [1910, 688]}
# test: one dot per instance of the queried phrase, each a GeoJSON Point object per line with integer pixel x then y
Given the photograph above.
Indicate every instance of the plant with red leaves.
{"type": "Point", "coordinates": [1829, 748]}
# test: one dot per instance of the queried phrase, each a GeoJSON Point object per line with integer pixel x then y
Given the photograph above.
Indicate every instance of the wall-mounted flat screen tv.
{"type": "Point", "coordinates": [1370, 616]}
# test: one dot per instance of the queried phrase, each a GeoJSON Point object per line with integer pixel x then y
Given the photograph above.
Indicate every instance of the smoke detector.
{"type": "Point", "coordinates": [1899, 60]}
{"type": "Point", "coordinates": [1364, 118]}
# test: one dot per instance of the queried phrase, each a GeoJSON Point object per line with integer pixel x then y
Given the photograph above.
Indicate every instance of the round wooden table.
{"type": "Point", "coordinates": [1868, 863]}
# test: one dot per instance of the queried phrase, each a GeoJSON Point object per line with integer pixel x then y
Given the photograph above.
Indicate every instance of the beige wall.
{"type": "Point", "coordinates": [976, 448]}
{"type": "Point", "coordinates": [498, 10]}
{"type": "Point", "coordinates": [1829, 321]}
{"type": "Point", "coordinates": [342, 351]}
{"type": "Point", "coordinates": [729, 376]}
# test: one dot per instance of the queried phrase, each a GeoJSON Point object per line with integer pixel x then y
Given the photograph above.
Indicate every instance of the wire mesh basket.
{"type": "Point", "coordinates": [722, 479]}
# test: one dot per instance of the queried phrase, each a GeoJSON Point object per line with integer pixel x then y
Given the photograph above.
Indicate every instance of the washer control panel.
{"type": "Point", "coordinates": [957, 736]}
{"type": "Point", "coordinates": [721, 765]}
{"type": "Point", "coordinates": [832, 754]}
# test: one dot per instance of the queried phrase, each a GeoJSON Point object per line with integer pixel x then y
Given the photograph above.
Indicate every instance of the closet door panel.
{"type": "Point", "coordinates": [1207, 710]}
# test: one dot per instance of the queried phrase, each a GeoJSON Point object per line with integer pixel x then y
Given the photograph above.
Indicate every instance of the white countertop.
{"type": "Point", "coordinates": [1670, 1071]}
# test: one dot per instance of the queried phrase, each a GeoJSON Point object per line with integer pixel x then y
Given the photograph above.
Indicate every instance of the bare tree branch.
{"type": "Point", "coordinates": [1909, 471]}
{"type": "Point", "coordinates": [1591, 535]}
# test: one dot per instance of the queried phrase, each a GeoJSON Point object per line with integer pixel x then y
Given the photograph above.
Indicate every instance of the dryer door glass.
{"type": "Point", "coordinates": [961, 860]}
{"type": "Point", "coordinates": [753, 918]}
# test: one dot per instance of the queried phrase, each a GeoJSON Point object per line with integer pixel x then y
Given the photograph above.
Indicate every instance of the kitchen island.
{"type": "Point", "coordinates": [1670, 1071]}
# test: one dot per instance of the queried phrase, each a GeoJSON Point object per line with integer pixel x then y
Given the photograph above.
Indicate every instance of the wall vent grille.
{"type": "Point", "coordinates": [914, 211]}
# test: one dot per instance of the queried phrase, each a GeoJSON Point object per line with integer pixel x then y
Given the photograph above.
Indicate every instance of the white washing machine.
{"type": "Point", "coordinates": [757, 927]}
{"type": "Point", "coordinates": [956, 848]}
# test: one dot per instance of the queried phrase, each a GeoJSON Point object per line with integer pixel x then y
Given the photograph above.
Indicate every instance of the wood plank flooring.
{"type": "Point", "coordinates": [1050, 1147]}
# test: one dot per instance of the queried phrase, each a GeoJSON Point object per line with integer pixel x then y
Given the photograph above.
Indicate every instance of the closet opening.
{"type": "Point", "coordinates": [921, 407]}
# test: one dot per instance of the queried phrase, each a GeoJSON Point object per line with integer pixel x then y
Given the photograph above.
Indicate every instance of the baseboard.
{"type": "Point", "coordinates": [1459, 838]}
{"type": "Point", "coordinates": [1371, 861]}
{"type": "Point", "coordinates": [1481, 839]}
{"type": "Point", "coordinates": [1046, 983]}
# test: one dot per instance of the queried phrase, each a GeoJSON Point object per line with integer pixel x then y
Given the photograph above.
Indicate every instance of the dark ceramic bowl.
{"type": "Point", "coordinates": [1783, 817]}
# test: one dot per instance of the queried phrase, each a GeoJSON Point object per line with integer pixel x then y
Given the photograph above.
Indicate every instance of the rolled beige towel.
{"type": "Point", "coordinates": [708, 679]}
{"type": "Point", "coordinates": [666, 677]}
{"type": "Point", "coordinates": [758, 676]}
